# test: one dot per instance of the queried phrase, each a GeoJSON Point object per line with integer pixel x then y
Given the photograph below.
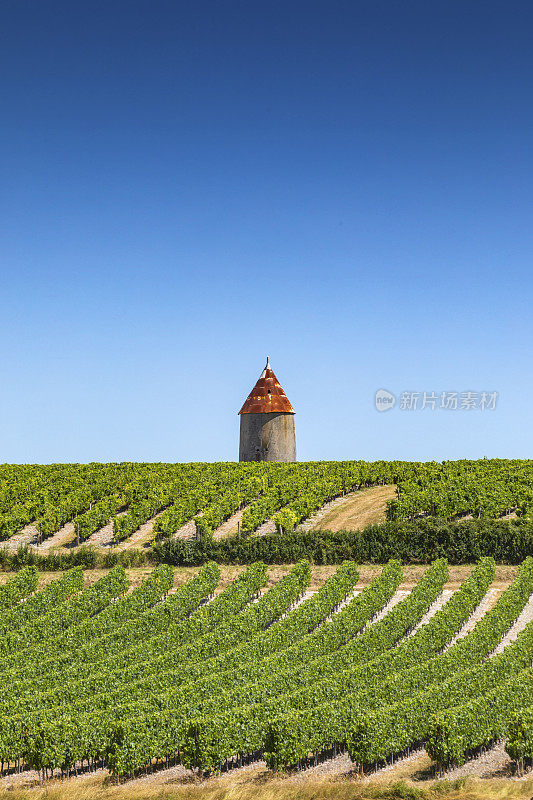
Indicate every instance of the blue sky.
{"type": "Point", "coordinates": [186, 187]}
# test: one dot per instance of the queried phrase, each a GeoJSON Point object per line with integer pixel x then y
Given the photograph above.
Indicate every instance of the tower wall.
{"type": "Point", "coordinates": [267, 437]}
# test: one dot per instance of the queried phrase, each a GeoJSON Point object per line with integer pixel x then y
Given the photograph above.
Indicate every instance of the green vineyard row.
{"type": "Point", "coordinates": [127, 495]}
{"type": "Point", "coordinates": [136, 679]}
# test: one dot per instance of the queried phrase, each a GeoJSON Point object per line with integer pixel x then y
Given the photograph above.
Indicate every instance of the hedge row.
{"type": "Point", "coordinates": [84, 556]}
{"type": "Point", "coordinates": [421, 541]}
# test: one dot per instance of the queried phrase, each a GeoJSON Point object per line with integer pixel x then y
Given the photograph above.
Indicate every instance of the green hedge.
{"type": "Point", "coordinates": [84, 556]}
{"type": "Point", "coordinates": [418, 542]}
{"type": "Point", "coordinates": [421, 541]}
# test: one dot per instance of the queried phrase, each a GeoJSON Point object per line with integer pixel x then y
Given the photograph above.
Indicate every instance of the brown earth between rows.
{"type": "Point", "coordinates": [366, 507]}
{"type": "Point", "coordinates": [367, 572]}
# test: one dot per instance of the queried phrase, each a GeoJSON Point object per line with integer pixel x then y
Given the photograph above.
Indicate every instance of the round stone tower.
{"type": "Point", "coordinates": [267, 422]}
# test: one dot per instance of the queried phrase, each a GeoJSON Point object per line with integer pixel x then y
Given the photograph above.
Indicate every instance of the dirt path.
{"type": "Point", "coordinates": [229, 527]}
{"type": "Point", "coordinates": [267, 527]}
{"type": "Point", "coordinates": [142, 537]}
{"type": "Point", "coordinates": [187, 531]}
{"type": "Point", "coordinates": [28, 536]}
{"type": "Point", "coordinates": [103, 537]}
{"type": "Point", "coordinates": [494, 762]}
{"type": "Point", "coordinates": [329, 507]}
{"type": "Point", "coordinates": [63, 536]}
{"type": "Point", "coordinates": [354, 511]}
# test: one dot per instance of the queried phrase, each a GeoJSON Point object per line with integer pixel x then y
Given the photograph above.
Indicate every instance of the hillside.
{"type": "Point", "coordinates": [127, 506]}
{"type": "Point", "coordinates": [277, 626]}
{"type": "Point", "coordinates": [185, 674]}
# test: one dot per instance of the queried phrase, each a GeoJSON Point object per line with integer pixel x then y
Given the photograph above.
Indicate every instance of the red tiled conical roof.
{"type": "Point", "coordinates": [267, 396]}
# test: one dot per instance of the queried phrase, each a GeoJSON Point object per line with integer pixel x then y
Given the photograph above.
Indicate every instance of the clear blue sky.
{"type": "Point", "coordinates": [186, 187]}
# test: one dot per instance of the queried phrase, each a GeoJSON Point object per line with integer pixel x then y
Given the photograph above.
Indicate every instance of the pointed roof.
{"type": "Point", "coordinates": [267, 396]}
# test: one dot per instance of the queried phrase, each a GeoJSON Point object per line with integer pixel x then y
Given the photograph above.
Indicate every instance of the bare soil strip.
{"type": "Point", "coordinates": [328, 508]}
{"type": "Point", "coordinates": [187, 531]}
{"type": "Point", "coordinates": [29, 535]}
{"type": "Point", "coordinates": [396, 598]}
{"type": "Point", "coordinates": [104, 537]}
{"type": "Point", "coordinates": [63, 536]}
{"type": "Point", "coordinates": [319, 574]}
{"type": "Point", "coordinates": [267, 527]}
{"type": "Point", "coordinates": [491, 763]}
{"type": "Point", "coordinates": [230, 526]}
{"type": "Point", "coordinates": [355, 510]}
{"type": "Point", "coordinates": [345, 602]}
{"type": "Point", "coordinates": [143, 536]}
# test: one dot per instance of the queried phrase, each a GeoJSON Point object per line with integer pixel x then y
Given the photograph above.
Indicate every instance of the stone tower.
{"type": "Point", "coordinates": [267, 422]}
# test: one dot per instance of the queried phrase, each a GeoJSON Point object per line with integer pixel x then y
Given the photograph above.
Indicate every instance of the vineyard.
{"type": "Point", "coordinates": [127, 496]}
{"type": "Point", "coordinates": [211, 676]}
{"type": "Point", "coordinates": [138, 680]}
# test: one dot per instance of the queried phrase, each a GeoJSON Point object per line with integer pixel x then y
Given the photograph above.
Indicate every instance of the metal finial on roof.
{"type": "Point", "coordinates": [268, 363]}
